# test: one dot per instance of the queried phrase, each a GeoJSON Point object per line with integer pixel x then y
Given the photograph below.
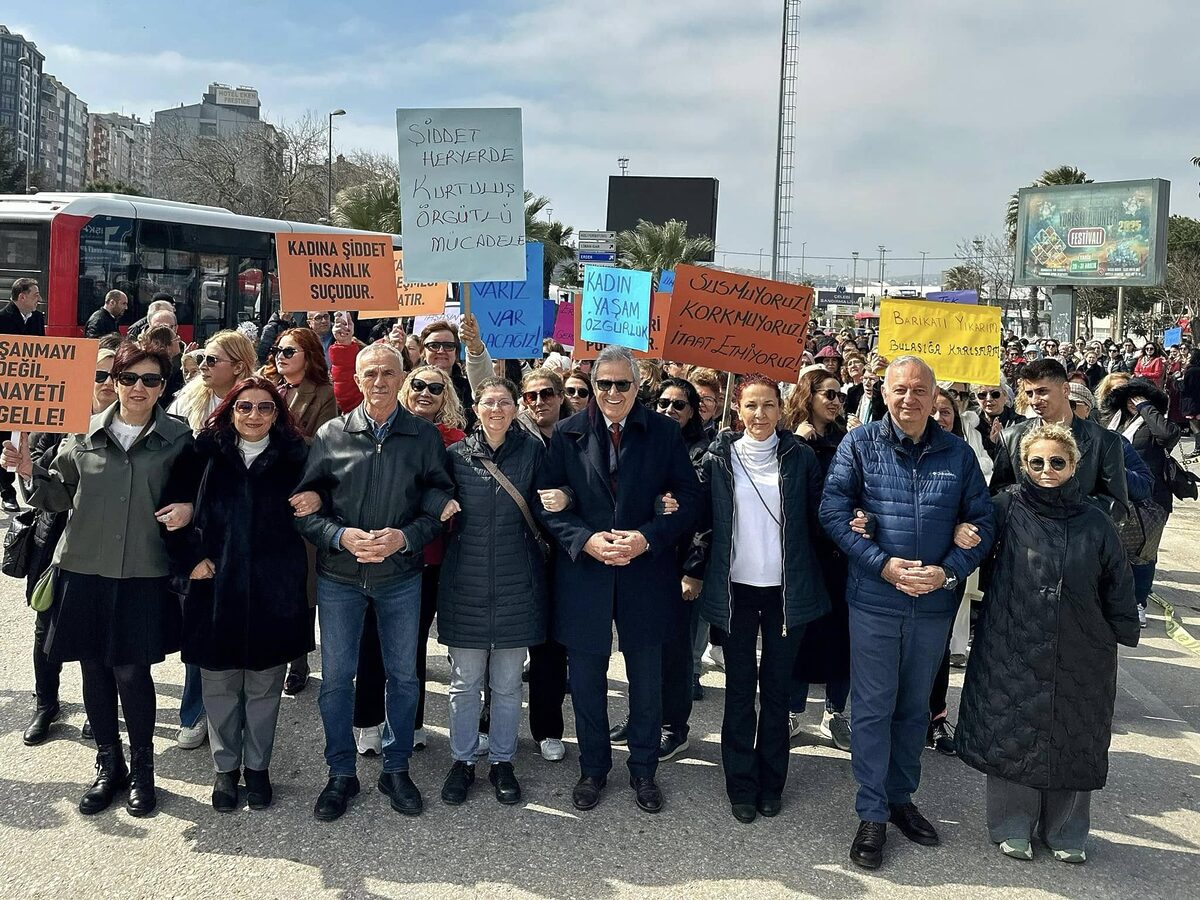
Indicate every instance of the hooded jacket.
{"type": "Point", "coordinates": [1154, 439]}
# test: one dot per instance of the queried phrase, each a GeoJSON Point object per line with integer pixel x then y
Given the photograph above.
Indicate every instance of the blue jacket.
{"type": "Point", "coordinates": [917, 500]}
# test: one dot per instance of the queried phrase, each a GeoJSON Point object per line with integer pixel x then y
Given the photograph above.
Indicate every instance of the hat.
{"type": "Point", "coordinates": [828, 351]}
{"type": "Point", "coordinates": [1080, 394]}
{"type": "Point", "coordinates": [815, 367]}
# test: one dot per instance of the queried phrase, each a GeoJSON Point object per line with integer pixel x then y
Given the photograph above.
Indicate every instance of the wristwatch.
{"type": "Point", "coordinates": [951, 581]}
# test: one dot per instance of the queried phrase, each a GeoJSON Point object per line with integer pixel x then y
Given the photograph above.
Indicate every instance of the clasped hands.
{"type": "Point", "coordinates": [616, 548]}
{"type": "Point", "coordinates": [910, 576]}
{"type": "Point", "coordinates": [373, 546]}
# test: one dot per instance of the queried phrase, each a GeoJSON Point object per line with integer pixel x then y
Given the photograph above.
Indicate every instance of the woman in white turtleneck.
{"type": "Point", "coordinates": [756, 574]}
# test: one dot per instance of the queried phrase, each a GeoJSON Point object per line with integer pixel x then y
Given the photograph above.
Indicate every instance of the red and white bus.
{"type": "Point", "coordinates": [218, 267]}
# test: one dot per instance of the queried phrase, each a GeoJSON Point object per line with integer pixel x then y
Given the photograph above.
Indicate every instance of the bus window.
{"type": "Point", "coordinates": [165, 268]}
{"type": "Point", "coordinates": [251, 291]}
{"type": "Point", "coordinates": [106, 262]}
{"type": "Point", "coordinates": [23, 254]}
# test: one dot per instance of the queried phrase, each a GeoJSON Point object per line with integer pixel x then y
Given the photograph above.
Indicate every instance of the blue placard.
{"type": "Point", "coordinates": [549, 314]}
{"type": "Point", "coordinates": [666, 281]}
{"type": "Point", "coordinates": [970, 298]}
{"type": "Point", "coordinates": [1172, 337]}
{"type": "Point", "coordinates": [616, 307]}
{"type": "Point", "coordinates": [511, 313]}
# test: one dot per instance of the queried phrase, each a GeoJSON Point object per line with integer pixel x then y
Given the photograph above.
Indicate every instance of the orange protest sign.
{"type": "Point", "coordinates": [738, 323]}
{"type": "Point", "coordinates": [426, 298]}
{"type": "Point", "coordinates": [660, 312]}
{"type": "Point", "coordinates": [583, 350]}
{"type": "Point", "coordinates": [46, 383]}
{"type": "Point", "coordinates": [323, 272]}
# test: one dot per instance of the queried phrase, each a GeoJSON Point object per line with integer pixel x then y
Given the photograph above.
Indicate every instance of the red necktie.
{"type": "Point", "coordinates": [614, 435]}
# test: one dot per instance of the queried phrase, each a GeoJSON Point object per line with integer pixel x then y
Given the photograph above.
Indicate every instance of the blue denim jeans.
{"type": "Point", "coordinates": [1143, 582]}
{"type": "Point", "coordinates": [468, 670]}
{"type": "Point", "coordinates": [191, 705]}
{"type": "Point", "coordinates": [341, 608]}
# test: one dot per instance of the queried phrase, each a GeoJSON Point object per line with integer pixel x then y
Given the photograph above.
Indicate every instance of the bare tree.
{"type": "Point", "coordinates": [992, 262]}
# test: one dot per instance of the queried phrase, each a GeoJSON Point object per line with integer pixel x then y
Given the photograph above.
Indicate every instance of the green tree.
{"type": "Point", "coordinates": [960, 278]}
{"type": "Point", "coordinates": [653, 248]}
{"type": "Point", "coordinates": [12, 171]}
{"type": "Point", "coordinates": [374, 206]}
{"type": "Point", "coordinates": [112, 186]}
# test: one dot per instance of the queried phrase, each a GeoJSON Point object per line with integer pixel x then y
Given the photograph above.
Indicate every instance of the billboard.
{"type": "Point", "coordinates": [655, 199]}
{"type": "Point", "coordinates": [1112, 234]}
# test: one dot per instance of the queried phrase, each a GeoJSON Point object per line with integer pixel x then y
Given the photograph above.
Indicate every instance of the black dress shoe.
{"type": "Point", "coordinates": [142, 797]}
{"type": "Point", "coordinates": [504, 779]}
{"type": "Point", "coordinates": [744, 812]}
{"type": "Point", "coordinates": [671, 745]}
{"type": "Point", "coordinates": [332, 801]}
{"type": "Point", "coordinates": [587, 790]}
{"type": "Point", "coordinates": [867, 848]}
{"type": "Point", "coordinates": [458, 782]}
{"type": "Point", "coordinates": [769, 805]}
{"type": "Point", "coordinates": [258, 788]}
{"type": "Point", "coordinates": [645, 791]}
{"type": "Point", "coordinates": [39, 725]}
{"type": "Point", "coordinates": [225, 791]}
{"type": "Point", "coordinates": [405, 796]}
{"type": "Point", "coordinates": [86, 731]}
{"type": "Point", "coordinates": [295, 683]}
{"type": "Point", "coordinates": [913, 825]}
{"type": "Point", "coordinates": [10, 505]}
{"type": "Point", "coordinates": [940, 737]}
{"type": "Point", "coordinates": [618, 735]}
{"type": "Point", "coordinates": [112, 775]}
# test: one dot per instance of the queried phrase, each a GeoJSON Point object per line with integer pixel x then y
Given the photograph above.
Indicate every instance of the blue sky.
{"type": "Point", "coordinates": [917, 118]}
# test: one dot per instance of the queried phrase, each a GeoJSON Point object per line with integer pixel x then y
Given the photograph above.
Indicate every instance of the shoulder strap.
{"type": "Point", "coordinates": [511, 490]}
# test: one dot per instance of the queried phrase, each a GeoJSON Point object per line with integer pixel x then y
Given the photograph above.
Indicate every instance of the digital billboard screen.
{"type": "Point", "coordinates": [1107, 234]}
{"type": "Point", "coordinates": [657, 200]}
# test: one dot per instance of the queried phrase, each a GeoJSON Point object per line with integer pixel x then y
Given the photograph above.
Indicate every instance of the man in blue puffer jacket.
{"type": "Point", "coordinates": [916, 482]}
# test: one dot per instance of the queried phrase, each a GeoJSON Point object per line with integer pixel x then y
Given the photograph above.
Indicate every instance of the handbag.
{"type": "Point", "coordinates": [42, 597]}
{"type": "Point", "coordinates": [511, 490]}
{"type": "Point", "coordinates": [1141, 531]}
{"type": "Point", "coordinates": [1183, 483]}
{"type": "Point", "coordinates": [18, 544]}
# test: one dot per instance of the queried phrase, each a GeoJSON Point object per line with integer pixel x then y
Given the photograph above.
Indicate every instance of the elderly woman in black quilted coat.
{"type": "Point", "coordinates": [492, 589]}
{"type": "Point", "coordinates": [1037, 704]}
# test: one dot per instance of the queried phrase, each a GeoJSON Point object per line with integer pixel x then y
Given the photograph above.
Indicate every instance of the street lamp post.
{"type": "Point", "coordinates": [623, 162]}
{"type": "Point", "coordinates": [882, 252]}
{"type": "Point", "coordinates": [803, 251]}
{"type": "Point", "coordinates": [924, 253]}
{"type": "Point", "coordinates": [329, 162]}
{"type": "Point", "coordinates": [979, 263]}
{"type": "Point", "coordinates": [854, 277]}
{"type": "Point", "coordinates": [549, 213]}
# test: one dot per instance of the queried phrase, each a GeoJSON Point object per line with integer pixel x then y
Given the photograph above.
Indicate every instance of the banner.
{"type": "Point", "coordinates": [510, 312]}
{"type": "Point", "coordinates": [960, 343]}
{"type": "Point", "coordinates": [616, 307]}
{"type": "Point", "coordinates": [324, 272]}
{"type": "Point", "coordinates": [421, 299]}
{"type": "Point", "coordinates": [965, 297]}
{"type": "Point", "coordinates": [453, 315]}
{"type": "Point", "coordinates": [46, 383]}
{"type": "Point", "coordinates": [738, 323]}
{"type": "Point", "coordinates": [462, 194]}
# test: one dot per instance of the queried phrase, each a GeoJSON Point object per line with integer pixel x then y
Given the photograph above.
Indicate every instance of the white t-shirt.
{"type": "Point", "coordinates": [757, 513]}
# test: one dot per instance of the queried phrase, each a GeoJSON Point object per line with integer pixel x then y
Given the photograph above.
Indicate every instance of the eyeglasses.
{"type": "Point", "coordinates": [708, 401]}
{"type": "Point", "coordinates": [245, 407]}
{"type": "Point", "coordinates": [438, 346]}
{"type": "Point", "coordinates": [502, 403]}
{"type": "Point", "coordinates": [319, 317]}
{"type": "Point", "coordinates": [285, 352]}
{"type": "Point", "coordinates": [604, 386]}
{"type": "Point", "coordinates": [102, 376]}
{"type": "Point", "coordinates": [677, 405]}
{"type": "Point", "coordinates": [211, 361]}
{"type": "Point", "coordinates": [830, 394]}
{"type": "Point", "coordinates": [989, 395]}
{"type": "Point", "coordinates": [150, 379]}
{"type": "Point", "coordinates": [574, 392]}
{"type": "Point", "coordinates": [534, 396]}
{"type": "Point", "coordinates": [434, 388]}
{"type": "Point", "coordinates": [1037, 464]}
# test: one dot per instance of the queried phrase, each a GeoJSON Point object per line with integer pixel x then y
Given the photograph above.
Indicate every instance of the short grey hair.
{"type": "Point", "coordinates": [916, 362]}
{"type": "Point", "coordinates": [614, 354]}
{"type": "Point", "coordinates": [158, 305]}
{"type": "Point", "coordinates": [379, 347]}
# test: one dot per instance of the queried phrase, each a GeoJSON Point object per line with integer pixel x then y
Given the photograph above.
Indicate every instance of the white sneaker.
{"type": "Point", "coordinates": [1142, 616]}
{"type": "Point", "coordinates": [418, 739]}
{"type": "Point", "coordinates": [714, 657]}
{"type": "Point", "coordinates": [485, 744]}
{"type": "Point", "coordinates": [552, 749]}
{"type": "Point", "coordinates": [795, 724]}
{"type": "Point", "coordinates": [369, 740]}
{"type": "Point", "coordinates": [191, 738]}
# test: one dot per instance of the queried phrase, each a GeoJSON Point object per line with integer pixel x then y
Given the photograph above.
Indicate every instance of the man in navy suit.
{"type": "Point", "coordinates": [618, 562]}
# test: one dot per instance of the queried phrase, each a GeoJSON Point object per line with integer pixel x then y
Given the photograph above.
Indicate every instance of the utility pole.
{"type": "Point", "coordinates": [882, 252]}
{"type": "Point", "coordinates": [854, 277]}
{"type": "Point", "coordinates": [979, 262]}
{"type": "Point", "coordinates": [924, 253]}
{"type": "Point", "coordinates": [786, 136]}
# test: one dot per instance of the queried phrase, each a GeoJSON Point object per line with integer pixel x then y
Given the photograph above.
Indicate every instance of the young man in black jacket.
{"type": "Point", "coordinates": [20, 316]}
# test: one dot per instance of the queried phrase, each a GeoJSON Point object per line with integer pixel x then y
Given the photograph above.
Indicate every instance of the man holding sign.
{"type": "Point", "coordinates": [20, 316]}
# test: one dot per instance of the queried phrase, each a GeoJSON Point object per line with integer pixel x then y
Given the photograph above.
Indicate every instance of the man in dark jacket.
{"type": "Point", "coordinates": [618, 561]}
{"type": "Point", "coordinates": [918, 482]}
{"type": "Point", "coordinates": [105, 320]}
{"type": "Point", "coordinates": [1101, 470]}
{"type": "Point", "coordinates": [382, 475]}
{"type": "Point", "coordinates": [20, 316]}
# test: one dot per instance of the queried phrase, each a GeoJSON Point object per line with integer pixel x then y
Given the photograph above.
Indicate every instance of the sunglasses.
{"type": "Point", "coordinates": [102, 376]}
{"type": "Point", "coordinates": [150, 380]}
{"type": "Point", "coordinates": [245, 407]}
{"type": "Point", "coordinates": [437, 346]}
{"type": "Point", "coordinates": [535, 396]}
{"type": "Point", "coordinates": [211, 361]}
{"type": "Point", "coordinates": [677, 405]}
{"type": "Point", "coordinates": [581, 393]}
{"type": "Point", "coordinates": [1037, 464]}
{"type": "Point", "coordinates": [285, 352]}
{"type": "Point", "coordinates": [989, 395]}
{"type": "Point", "coordinates": [604, 386]}
{"type": "Point", "coordinates": [435, 388]}
{"type": "Point", "coordinates": [830, 395]}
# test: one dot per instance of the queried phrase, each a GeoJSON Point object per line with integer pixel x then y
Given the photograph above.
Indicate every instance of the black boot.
{"type": "Point", "coordinates": [258, 788]}
{"type": "Point", "coordinates": [142, 799]}
{"type": "Point", "coordinates": [225, 791]}
{"type": "Point", "coordinates": [39, 725]}
{"type": "Point", "coordinates": [112, 775]}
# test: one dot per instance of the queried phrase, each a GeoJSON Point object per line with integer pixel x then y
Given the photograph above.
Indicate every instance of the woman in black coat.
{"type": "Point", "coordinates": [245, 613]}
{"type": "Point", "coordinates": [492, 589]}
{"type": "Point", "coordinates": [1037, 704]}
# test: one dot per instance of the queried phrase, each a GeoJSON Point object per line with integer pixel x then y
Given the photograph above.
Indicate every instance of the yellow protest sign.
{"type": "Point", "coordinates": [960, 342]}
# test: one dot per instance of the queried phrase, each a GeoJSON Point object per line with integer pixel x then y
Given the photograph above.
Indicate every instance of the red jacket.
{"type": "Point", "coordinates": [1150, 369]}
{"type": "Point", "coordinates": [341, 370]}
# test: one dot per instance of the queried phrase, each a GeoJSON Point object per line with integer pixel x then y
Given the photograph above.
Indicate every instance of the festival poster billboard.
{"type": "Point", "coordinates": [1111, 234]}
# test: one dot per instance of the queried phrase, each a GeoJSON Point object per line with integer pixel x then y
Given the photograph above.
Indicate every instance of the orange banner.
{"type": "Point", "coordinates": [322, 272]}
{"type": "Point", "coordinates": [660, 313]}
{"type": "Point", "coordinates": [427, 298]}
{"type": "Point", "coordinates": [46, 383]}
{"type": "Point", "coordinates": [738, 323]}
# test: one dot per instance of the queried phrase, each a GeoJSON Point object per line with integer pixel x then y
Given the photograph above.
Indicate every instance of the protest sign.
{"type": "Point", "coordinates": [549, 314]}
{"type": "Point", "coordinates": [660, 313]}
{"type": "Point", "coordinates": [46, 383]}
{"type": "Point", "coordinates": [616, 307]}
{"type": "Point", "coordinates": [1172, 337]}
{"type": "Point", "coordinates": [738, 323]}
{"type": "Point", "coordinates": [462, 194]}
{"type": "Point", "coordinates": [324, 272]}
{"type": "Point", "coordinates": [510, 312]}
{"type": "Point", "coordinates": [582, 350]}
{"type": "Point", "coordinates": [966, 297]}
{"type": "Point", "coordinates": [564, 324]}
{"type": "Point", "coordinates": [960, 343]}
{"type": "Point", "coordinates": [452, 314]}
{"type": "Point", "coordinates": [421, 299]}
{"type": "Point", "coordinates": [666, 281]}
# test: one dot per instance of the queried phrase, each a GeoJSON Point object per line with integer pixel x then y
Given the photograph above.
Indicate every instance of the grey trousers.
{"type": "Point", "coordinates": [1013, 811]}
{"type": "Point", "coordinates": [242, 707]}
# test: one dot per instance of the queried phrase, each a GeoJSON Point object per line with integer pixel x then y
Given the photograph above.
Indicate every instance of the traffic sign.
{"type": "Point", "coordinates": [603, 246]}
{"type": "Point", "coordinates": [607, 236]}
{"type": "Point", "coordinates": [595, 256]}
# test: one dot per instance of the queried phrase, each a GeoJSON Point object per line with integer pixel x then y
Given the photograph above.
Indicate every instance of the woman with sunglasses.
{"type": "Point", "coordinates": [1151, 365]}
{"type": "Point", "coordinates": [542, 402]}
{"type": "Point", "coordinates": [1036, 709]}
{"type": "Point", "coordinates": [112, 607]}
{"type": "Point", "coordinates": [995, 415]}
{"type": "Point", "coordinates": [577, 390]}
{"type": "Point", "coordinates": [227, 358]}
{"type": "Point", "coordinates": [427, 392]}
{"type": "Point", "coordinates": [245, 615]}
{"type": "Point", "coordinates": [440, 344]}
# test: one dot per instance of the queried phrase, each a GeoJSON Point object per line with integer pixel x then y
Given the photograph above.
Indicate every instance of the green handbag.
{"type": "Point", "coordinates": [42, 597]}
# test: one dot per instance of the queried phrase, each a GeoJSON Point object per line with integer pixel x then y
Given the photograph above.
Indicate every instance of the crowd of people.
{"type": "Point", "coordinates": [866, 528]}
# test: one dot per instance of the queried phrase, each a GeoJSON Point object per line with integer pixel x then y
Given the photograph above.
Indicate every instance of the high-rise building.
{"type": "Point", "coordinates": [119, 149]}
{"type": "Point", "coordinates": [223, 112]}
{"type": "Point", "coordinates": [62, 137]}
{"type": "Point", "coordinates": [20, 93]}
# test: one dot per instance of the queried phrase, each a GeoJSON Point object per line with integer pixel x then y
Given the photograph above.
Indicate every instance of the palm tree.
{"type": "Point", "coordinates": [655, 248]}
{"type": "Point", "coordinates": [1061, 175]}
{"type": "Point", "coordinates": [373, 206]}
{"type": "Point", "coordinates": [960, 278]}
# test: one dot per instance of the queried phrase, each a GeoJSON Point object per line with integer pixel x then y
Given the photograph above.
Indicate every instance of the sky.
{"type": "Point", "coordinates": [916, 119]}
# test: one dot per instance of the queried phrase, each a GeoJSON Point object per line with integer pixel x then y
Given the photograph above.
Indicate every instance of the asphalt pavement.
{"type": "Point", "coordinates": [1145, 839]}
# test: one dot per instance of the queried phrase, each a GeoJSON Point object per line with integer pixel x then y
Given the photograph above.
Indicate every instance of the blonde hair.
{"type": "Point", "coordinates": [196, 396]}
{"type": "Point", "coordinates": [1107, 383]}
{"type": "Point", "coordinates": [1059, 434]}
{"type": "Point", "coordinates": [451, 415]}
